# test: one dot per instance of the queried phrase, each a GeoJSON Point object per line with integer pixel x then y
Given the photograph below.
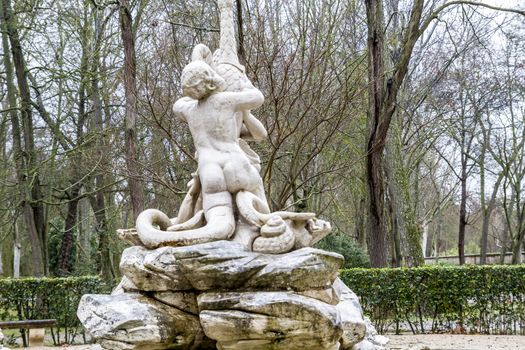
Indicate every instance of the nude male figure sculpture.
{"type": "Point", "coordinates": [225, 198]}
{"type": "Point", "coordinates": [215, 119]}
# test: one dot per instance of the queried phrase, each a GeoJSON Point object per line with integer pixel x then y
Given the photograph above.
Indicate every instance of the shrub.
{"type": "Point", "coordinates": [480, 299]}
{"type": "Point", "coordinates": [340, 243]}
{"type": "Point", "coordinates": [48, 298]}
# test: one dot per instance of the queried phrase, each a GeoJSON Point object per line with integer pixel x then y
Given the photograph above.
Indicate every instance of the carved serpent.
{"type": "Point", "coordinates": [276, 234]}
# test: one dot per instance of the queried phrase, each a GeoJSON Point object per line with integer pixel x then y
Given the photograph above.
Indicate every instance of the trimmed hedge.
{"type": "Point", "coordinates": [478, 299]}
{"type": "Point", "coordinates": [44, 298]}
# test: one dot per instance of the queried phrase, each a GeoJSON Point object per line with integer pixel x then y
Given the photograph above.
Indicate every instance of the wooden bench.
{"type": "Point", "coordinates": [36, 327]}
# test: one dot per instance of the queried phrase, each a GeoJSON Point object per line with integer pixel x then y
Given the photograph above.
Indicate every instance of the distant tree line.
{"type": "Point", "coordinates": [402, 123]}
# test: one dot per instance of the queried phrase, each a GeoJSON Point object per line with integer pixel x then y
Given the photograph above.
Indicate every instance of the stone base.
{"type": "Point", "coordinates": [135, 321]}
{"type": "Point", "coordinates": [218, 295]}
{"type": "Point", "coordinates": [269, 320]}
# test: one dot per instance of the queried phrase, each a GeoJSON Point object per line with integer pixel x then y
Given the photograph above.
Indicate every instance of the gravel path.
{"type": "Point", "coordinates": [417, 342]}
{"type": "Point", "coordinates": [456, 342]}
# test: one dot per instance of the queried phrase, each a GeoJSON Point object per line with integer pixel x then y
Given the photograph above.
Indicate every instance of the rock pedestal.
{"type": "Point", "coordinates": [220, 296]}
{"type": "Point", "coordinates": [227, 272]}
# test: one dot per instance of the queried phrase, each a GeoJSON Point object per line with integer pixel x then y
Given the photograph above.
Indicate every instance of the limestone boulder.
{"type": "Point", "coordinates": [327, 295]}
{"type": "Point", "coordinates": [185, 301]}
{"type": "Point", "coordinates": [134, 321]}
{"type": "Point", "coordinates": [269, 320]}
{"type": "Point", "coordinates": [351, 314]}
{"type": "Point", "coordinates": [226, 265]}
{"type": "Point", "coordinates": [152, 270]}
{"type": "Point", "coordinates": [373, 340]}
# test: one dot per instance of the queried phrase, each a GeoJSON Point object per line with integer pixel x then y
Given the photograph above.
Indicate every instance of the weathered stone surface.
{"type": "Point", "coordinates": [124, 286]}
{"type": "Point", "coordinates": [326, 295]}
{"type": "Point", "coordinates": [129, 236]}
{"type": "Point", "coordinates": [364, 345]}
{"type": "Point", "coordinates": [224, 265]}
{"type": "Point", "coordinates": [269, 320]}
{"type": "Point", "coordinates": [133, 321]}
{"type": "Point", "coordinates": [302, 269]}
{"type": "Point", "coordinates": [353, 324]}
{"type": "Point", "coordinates": [185, 301]}
{"type": "Point", "coordinates": [152, 270]}
{"type": "Point", "coordinates": [373, 340]}
{"type": "Point", "coordinates": [127, 285]}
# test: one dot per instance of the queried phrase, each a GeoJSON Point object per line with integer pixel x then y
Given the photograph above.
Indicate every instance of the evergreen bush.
{"type": "Point", "coordinates": [48, 298]}
{"type": "Point", "coordinates": [340, 243]}
{"type": "Point", "coordinates": [477, 299]}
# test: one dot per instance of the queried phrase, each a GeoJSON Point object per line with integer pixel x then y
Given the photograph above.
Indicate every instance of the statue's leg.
{"type": "Point", "coordinates": [217, 201]}
{"type": "Point", "coordinates": [212, 179]}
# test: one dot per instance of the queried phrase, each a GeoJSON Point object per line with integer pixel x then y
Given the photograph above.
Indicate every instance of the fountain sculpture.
{"type": "Point", "coordinates": [226, 273]}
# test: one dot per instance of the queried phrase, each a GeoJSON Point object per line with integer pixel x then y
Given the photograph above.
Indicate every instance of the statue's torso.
{"type": "Point", "coordinates": [214, 125]}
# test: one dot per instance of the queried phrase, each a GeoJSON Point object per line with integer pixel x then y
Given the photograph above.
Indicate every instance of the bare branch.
{"type": "Point", "coordinates": [434, 15]}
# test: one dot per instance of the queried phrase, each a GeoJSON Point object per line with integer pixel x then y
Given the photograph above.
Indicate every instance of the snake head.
{"type": "Point", "coordinates": [318, 229]}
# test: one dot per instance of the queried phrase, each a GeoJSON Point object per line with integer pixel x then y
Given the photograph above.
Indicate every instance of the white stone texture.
{"type": "Point", "coordinates": [227, 188]}
{"type": "Point", "coordinates": [226, 265]}
{"type": "Point", "coordinates": [133, 321]}
{"type": "Point", "coordinates": [251, 300]}
{"type": "Point", "coordinates": [264, 287]}
{"type": "Point", "coordinates": [185, 301]}
{"type": "Point", "coordinates": [269, 320]}
{"type": "Point", "coordinates": [373, 340]}
{"type": "Point", "coordinates": [152, 270]}
{"type": "Point", "coordinates": [354, 327]}
{"type": "Point", "coordinates": [327, 295]}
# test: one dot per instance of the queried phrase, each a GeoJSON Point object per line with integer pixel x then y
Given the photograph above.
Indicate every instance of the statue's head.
{"type": "Point", "coordinates": [199, 80]}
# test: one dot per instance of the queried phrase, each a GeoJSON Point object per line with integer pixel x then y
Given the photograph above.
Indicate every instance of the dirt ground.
{"type": "Point", "coordinates": [418, 342]}
{"type": "Point", "coordinates": [456, 342]}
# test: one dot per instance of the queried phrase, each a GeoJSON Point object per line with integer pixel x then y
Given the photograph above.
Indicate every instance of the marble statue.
{"type": "Point", "coordinates": [226, 198]}
{"type": "Point", "coordinates": [227, 273]}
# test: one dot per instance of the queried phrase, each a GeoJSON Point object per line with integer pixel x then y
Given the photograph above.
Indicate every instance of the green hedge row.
{"type": "Point", "coordinates": [48, 298]}
{"type": "Point", "coordinates": [481, 299]}
{"type": "Point", "coordinates": [478, 299]}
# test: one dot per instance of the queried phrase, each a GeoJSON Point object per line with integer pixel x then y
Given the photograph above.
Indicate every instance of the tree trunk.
{"type": "Point", "coordinates": [25, 159]}
{"type": "Point", "coordinates": [424, 239]}
{"type": "Point", "coordinates": [65, 253]}
{"type": "Point", "coordinates": [377, 235]}
{"type": "Point", "coordinates": [516, 249]}
{"type": "Point", "coordinates": [83, 253]}
{"type": "Point", "coordinates": [462, 212]}
{"type": "Point", "coordinates": [382, 94]}
{"type": "Point", "coordinates": [360, 223]}
{"type": "Point", "coordinates": [437, 239]}
{"type": "Point", "coordinates": [396, 209]}
{"type": "Point", "coordinates": [130, 86]}
{"type": "Point", "coordinates": [104, 262]}
{"type": "Point", "coordinates": [17, 248]}
{"type": "Point", "coordinates": [487, 214]}
{"type": "Point", "coordinates": [520, 231]}
{"type": "Point", "coordinates": [98, 182]}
